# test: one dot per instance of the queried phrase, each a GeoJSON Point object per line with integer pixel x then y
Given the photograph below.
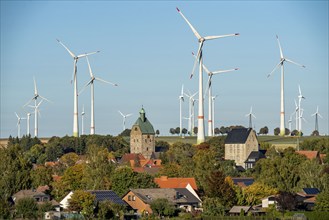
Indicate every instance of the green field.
{"type": "Point", "coordinates": [275, 140]}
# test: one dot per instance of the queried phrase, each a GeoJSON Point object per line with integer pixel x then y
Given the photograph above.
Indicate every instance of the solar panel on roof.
{"type": "Point", "coordinates": [102, 195]}
{"type": "Point", "coordinates": [311, 190]}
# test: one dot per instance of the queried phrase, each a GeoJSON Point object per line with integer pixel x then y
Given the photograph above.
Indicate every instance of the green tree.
{"type": "Point", "coordinates": [110, 210]}
{"type": "Point", "coordinates": [162, 207]}
{"type": "Point", "coordinates": [255, 192]}
{"type": "Point", "coordinates": [157, 132]}
{"type": "Point", "coordinates": [27, 208]}
{"type": "Point", "coordinates": [276, 131]}
{"type": "Point", "coordinates": [212, 206]}
{"type": "Point", "coordinates": [5, 209]}
{"type": "Point", "coordinates": [177, 130]}
{"type": "Point", "coordinates": [322, 202]}
{"type": "Point", "coordinates": [83, 202]}
{"type": "Point", "coordinates": [41, 176]}
{"type": "Point", "coordinates": [69, 159]}
{"type": "Point", "coordinates": [35, 152]}
{"type": "Point", "coordinates": [172, 131]}
{"type": "Point", "coordinates": [184, 131]}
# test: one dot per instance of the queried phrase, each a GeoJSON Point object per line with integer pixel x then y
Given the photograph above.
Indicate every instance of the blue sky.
{"type": "Point", "coordinates": [146, 49]}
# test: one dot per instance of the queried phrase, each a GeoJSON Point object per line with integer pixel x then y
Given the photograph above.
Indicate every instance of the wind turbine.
{"type": "Point", "coordinates": [191, 110]}
{"type": "Point", "coordinates": [36, 112]}
{"type": "Point", "coordinates": [19, 124]}
{"type": "Point", "coordinates": [290, 121]}
{"type": "Point", "coordinates": [213, 112]}
{"type": "Point", "coordinates": [124, 119]}
{"type": "Point", "coordinates": [209, 89]}
{"type": "Point", "coordinates": [296, 115]}
{"type": "Point", "coordinates": [75, 89]}
{"type": "Point", "coordinates": [316, 114]}
{"type": "Point", "coordinates": [281, 64]}
{"type": "Point", "coordinates": [300, 121]}
{"type": "Point", "coordinates": [82, 120]}
{"type": "Point", "coordinates": [250, 115]}
{"type": "Point", "coordinates": [91, 83]}
{"type": "Point", "coordinates": [300, 97]}
{"type": "Point", "coordinates": [201, 130]}
{"type": "Point", "coordinates": [28, 123]}
{"type": "Point", "coordinates": [181, 99]}
{"type": "Point", "coordinates": [35, 98]}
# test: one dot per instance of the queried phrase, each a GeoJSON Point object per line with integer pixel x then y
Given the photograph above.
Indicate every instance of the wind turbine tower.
{"type": "Point", "coordinates": [181, 99]}
{"type": "Point", "coordinates": [28, 123]}
{"type": "Point", "coordinates": [281, 64]}
{"type": "Point", "coordinates": [250, 115]}
{"type": "Point", "coordinates": [316, 114]}
{"type": "Point", "coordinates": [19, 124]}
{"type": "Point", "coordinates": [201, 40]}
{"type": "Point", "coordinates": [82, 120]}
{"type": "Point", "coordinates": [124, 119]}
{"type": "Point", "coordinates": [91, 83]}
{"type": "Point", "coordinates": [75, 88]}
{"type": "Point", "coordinates": [300, 114]}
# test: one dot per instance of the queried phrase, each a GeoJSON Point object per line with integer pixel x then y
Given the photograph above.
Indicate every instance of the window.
{"type": "Point", "coordinates": [134, 198]}
{"type": "Point", "coordinates": [136, 129]}
{"type": "Point", "coordinates": [129, 198]}
{"type": "Point", "coordinates": [148, 136]}
{"type": "Point", "coordinates": [147, 149]}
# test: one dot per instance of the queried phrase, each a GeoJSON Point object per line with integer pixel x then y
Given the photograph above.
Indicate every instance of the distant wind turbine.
{"type": "Point", "coordinates": [281, 64]}
{"type": "Point", "coordinates": [201, 40]}
{"type": "Point", "coordinates": [19, 124]}
{"type": "Point", "coordinates": [300, 97]}
{"type": "Point", "coordinates": [181, 100]}
{"type": "Point", "coordinates": [91, 83]}
{"type": "Point", "coordinates": [28, 123]}
{"type": "Point", "coordinates": [35, 98]}
{"type": "Point", "coordinates": [124, 119]}
{"type": "Point", "coordinates": [36, 113]}
{"type": "Point", "coordinates": [75, 89]}
{"type": "Point", "coordinates": [316, 114]}
{"type": "Point", "coordinates": [82, 120]}
{"type": "Point", "coordinates": [213, 112]}
{"type": "Point", "coordinates": [250, 115]}
{"type": "Point", "coordinates": [191, 110]}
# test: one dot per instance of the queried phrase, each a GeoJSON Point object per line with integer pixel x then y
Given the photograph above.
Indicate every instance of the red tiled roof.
{"type": "Point", "coordinates": [129, 157]}
{"type": "Point", "coordinates": [309, 154]}
{"type": "Point", "coordinates": [165, 182]}
{"type": "Point", "coordinates": [310, 200]}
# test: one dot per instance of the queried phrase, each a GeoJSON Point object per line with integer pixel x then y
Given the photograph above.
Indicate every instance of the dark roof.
{"type": "Point", "coordinates": [237, 209]}
{"type": "Point", "coordinates": [255, 155]}
{"type": "Point", "coordinates": [246, 180]}
{"type": "Point", "coordinates": [145, 126]}
{"type": "Point", "coordinates": [238, 136]}
{"type": "Point", "coordinates": [174, 195]}
{"type": "Point", "coordinates": [101, 195]}
{"type": "Point", "coordinates": [311, 191]}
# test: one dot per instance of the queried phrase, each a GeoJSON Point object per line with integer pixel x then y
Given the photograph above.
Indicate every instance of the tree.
{"type": "Point", "coordinates": [109, 210]}
{"type": "Point", "coordinates": [265, 130]}
{"type": "Point", "coordinates": [217, 131]}
{"type": "Point", "coordinates": [212, 206]}
{"type": "Point", "coordinates": [27, 208]}
{"type": "Point", "coordinates": [82, 201]}
{"type": "Point", "coordinates": [294, 133]}
{"type": "Point", "coordinates": [322, 202]}
{"type": "Point", "coordinates": [184, 131]}
{"type": "Point", "coordinates": [157, 132]}
{"type": "Point", "coordinates": [195, 130]}
{"type": "Point", "coordinates": [177, 130]}
{"type": "Point", "coordinates": [162, 207]}
{"type": "Point", "coordinates": [216, 186]}
{"type": "Point", "coordinates": [222, 130]}
{"type": "Point", "coordinates": [286, 131]}
{"type": "Point", "coordinates": [276, 131]}
{"type": "Point", "coordinates": [41, 176]}
{"type": "Point", "coordinates": [125, 133]}
{"type": "Point", "coordinates": [69, 159]}
{"type": "Point", "coordinates": [286, 201]}
{"type": "Point", "coordinates": [172, 131]}
{"type": "Point", "coordinates": [255, 192]}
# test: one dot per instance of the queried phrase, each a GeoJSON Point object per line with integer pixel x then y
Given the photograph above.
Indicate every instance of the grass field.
{"type": "Point", "coordinates": [275, 140]}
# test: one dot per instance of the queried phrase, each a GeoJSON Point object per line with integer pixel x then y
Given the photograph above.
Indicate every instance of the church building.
{"type": "Point", "coordinates": [142, 136]}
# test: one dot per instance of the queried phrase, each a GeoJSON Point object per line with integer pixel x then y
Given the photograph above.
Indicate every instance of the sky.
{"type": "Point", "coordinates": [146, 49]}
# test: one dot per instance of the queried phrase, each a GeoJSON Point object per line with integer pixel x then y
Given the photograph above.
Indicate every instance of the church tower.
{"type": "Point", "coordinates": [142, 136]}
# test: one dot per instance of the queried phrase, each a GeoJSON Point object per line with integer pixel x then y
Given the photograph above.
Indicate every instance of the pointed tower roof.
{"type": "Point", "coordinates": [144, 124]}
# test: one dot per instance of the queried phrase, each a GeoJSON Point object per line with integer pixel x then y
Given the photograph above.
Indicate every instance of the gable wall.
{"type": "Point", "coordinates": [137, 203]}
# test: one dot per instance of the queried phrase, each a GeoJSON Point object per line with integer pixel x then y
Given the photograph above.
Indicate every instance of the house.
{"type": "Point", "coordinates": [243, 181]}
{"type": "Point", "coordinates": [239, 143]}
{"type": "Point", "coordinates": [100, 195]}
{"type": "Point", "coordinates": [267, 201]}
{"type": "Point", "coordinates": [142, 134]}
{"type": "Point", "coordinates": [140, 199]}
{"type": "Point", "coordinates": [236, 210]}
{"type": "Point", "coordinates": [253, 157]}
{"type": "Point", "coordinates": [306, 199]}
{"type": "Point", "coordinates": [140, 164]}
{"type": "Point", "coordinates": [38, 196]}
{"type": "Point", "coordinates": [165, 182]}
{"type": "Point", "coordinates": [311, 155]}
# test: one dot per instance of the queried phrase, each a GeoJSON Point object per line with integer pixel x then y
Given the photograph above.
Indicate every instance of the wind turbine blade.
{"type": "Point", "coordinates": [197, 58]}
{"type": "Point", "coordinates": [17, 115]}
{"type": "Point", "coordinates": [90, 72]}
{"type": "Point", "coordinates": [280, 63]}
{"type": "Point", "coordinates": [45, 99]}
{"type": "Point", "coordinates": [320, 115]}
{"type": "Point", "coordinates": [281, 54]}
{"type": "Point", "coordinates": [182, 92]}
{"type": "Point", "coordinates": [253, 115]}
{"type": "Point", "coordinates": [208, 84]}
{"type": "Point", "coordinates": [35, 87]}
{"type": "Point", "coordinates": [39, 104]}
{"type": "Point", "coordinates": [290, 61]}
{"type": "Point", "coordinates": [70, 52]}
{"type": "Point", "coordinates": [192, 28]}
{"type": "Point", "coordinates": [102, 80]}
{"type": "Point", "coordinates": [129, 115]}
{"type": "Point", "coordinates": [224, 71]}
{"type": "Point", "coordinates": [87, 54]}
{"type": "Point", "coordinates": [85, 86]}
{"type": "Point", "coordinates": [121, 114]}
{"type": "Point", "coordinates": [220, 36]}
{"type": "Point", "coordinates": [28, 102]}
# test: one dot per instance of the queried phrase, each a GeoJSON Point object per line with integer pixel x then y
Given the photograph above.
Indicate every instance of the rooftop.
{"type": "Point", "coordinates": [165, 182]}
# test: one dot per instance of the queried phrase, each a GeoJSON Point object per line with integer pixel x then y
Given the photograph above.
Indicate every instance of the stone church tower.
{"type": "Point", "coordinates": [142, 136]}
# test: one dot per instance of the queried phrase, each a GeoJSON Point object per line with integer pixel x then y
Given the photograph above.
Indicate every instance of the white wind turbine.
{"type": "Point", "coordinates": [75, 89]}
{"type": "Point", "coordinates": [35, 98]}
{"type": "Point", "coordinates": [124, 119]}
{"type": "Point", "coordinates": [213, 112]}
{"type": "Point", "coordinates": [19, 124]}
{"type": "Point", "coordinates": [296, 115]}
{"type": "Point", "coordinates": [82, 120]}
{"type": "Point", "coordinates": [181, 99]}
{"type": "Point", "coordinates": [281, 64]}
{"type": "Point", "coordinates": [290, 121]}
{"type": "Point", "coordinates": [91, 83]}
{"type": "Point", "coordinates": [36, 112]}
{"type": "Point", "coordinates": [209, 90]}
{"type": "Point", "coordinates": [201, 130]}
{"type": "Point", "coordinates": [300, 97]}
{"type": "Point", "coordinates": [191, 111]}
{"type": "Point", "coordinates": [250, 115]}
{"type": "Point", "coordinates": [316, 114]}
{"type": "Point", "coordinates": [28, 123]}
{"type": "Point", "coordinates": [300, 121]}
